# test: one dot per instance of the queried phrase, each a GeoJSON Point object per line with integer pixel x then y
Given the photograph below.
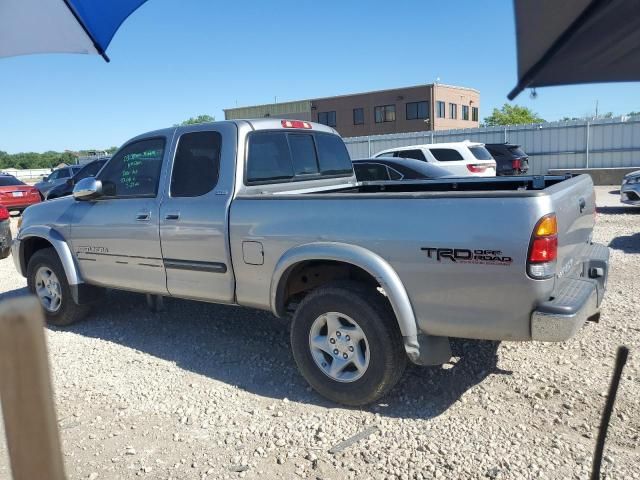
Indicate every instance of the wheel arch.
{"type": "Point", "coordinates": [37, 238]}
{"type": "Point", "coordinates": [350, 255]}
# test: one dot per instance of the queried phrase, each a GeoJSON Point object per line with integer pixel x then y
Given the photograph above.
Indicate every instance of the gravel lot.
{"type": "Point", "coordinates": [206, 391]}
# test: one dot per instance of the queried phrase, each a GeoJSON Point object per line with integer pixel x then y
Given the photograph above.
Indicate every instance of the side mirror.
{"type": "Point", "coordinates": [87, 189]}
{"type": "Point", "coordinates": [69, 182]}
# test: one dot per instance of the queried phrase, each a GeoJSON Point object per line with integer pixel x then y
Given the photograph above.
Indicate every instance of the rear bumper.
{"type": "Point", "coordinates": [574, 301]}
{"type": "Point", "coordinates": [17, 204]}
{"type": "Point", "coordinates": [5, 236]}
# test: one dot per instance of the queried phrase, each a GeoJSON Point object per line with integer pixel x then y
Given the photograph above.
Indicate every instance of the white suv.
{"type": "Point", "coordinates": [462, 159]}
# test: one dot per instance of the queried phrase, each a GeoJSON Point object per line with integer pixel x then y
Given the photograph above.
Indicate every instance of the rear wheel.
{"type": "Point", "coordinates": [346, 343]}
{"type": "Point", "coordinates": [47, 280]}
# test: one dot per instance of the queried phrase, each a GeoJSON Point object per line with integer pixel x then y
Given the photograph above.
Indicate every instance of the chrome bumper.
{"type": "Point", "coordinates": [575, 301]}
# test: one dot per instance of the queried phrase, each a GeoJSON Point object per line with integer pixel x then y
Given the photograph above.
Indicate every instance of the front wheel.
{"type": "Point", "coordinates": [47, 280]}
{"type": "Point", "coordinates": [346, 343]}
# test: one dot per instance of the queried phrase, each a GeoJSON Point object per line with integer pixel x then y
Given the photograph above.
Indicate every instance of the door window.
{"type": "Point", "coordinates": [135, 170]}
{"type": "Point", "coordinates": [416, 154]}
{"type": "Point", "coordinates": [196, 165]}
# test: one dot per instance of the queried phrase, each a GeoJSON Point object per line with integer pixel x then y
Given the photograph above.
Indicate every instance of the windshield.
{"type": "Point", "coordinates": [8, 180]}
{"type": "Point", "coordinates": [481, 153]}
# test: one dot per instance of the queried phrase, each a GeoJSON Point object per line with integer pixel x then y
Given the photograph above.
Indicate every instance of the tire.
{"type": "Point", "coordinates": [371, 313]}
{"type": "Point", "coordinates": [66, 311]}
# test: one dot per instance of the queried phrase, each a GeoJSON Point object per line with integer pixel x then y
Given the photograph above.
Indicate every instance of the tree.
{"type": "Point", "coordinates": [633, 114]}
{"type": "Point", "coordinates": [198, 119]}
{"type": "Point", "coordinates": [512, 115]}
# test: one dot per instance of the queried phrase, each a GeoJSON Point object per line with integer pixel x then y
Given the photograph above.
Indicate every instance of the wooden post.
{"type": "Point", "coordinates": [26, 393]}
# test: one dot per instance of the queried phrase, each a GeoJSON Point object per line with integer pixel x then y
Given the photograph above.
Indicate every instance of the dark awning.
{"type": "Point", "coordinates": [564, 42]}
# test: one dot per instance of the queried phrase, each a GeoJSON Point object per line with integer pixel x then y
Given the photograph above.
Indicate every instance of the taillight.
{"type": "Point", "coordinates": [295, 124]}
{"type": "Point", "coordinates": [476, 168]}
{"type": "Point", "coordinates": [516, 164]}
{"type": "Point", "coordinates": [543, 250]}
{"type": "Point", "coordinates": [4, 213]}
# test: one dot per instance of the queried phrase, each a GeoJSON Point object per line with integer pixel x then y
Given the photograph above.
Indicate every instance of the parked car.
{"type": "Point", "coordinates": [510, 158]}
{"type": "Point", "coordinates": [462, 159]}
{"type": "Point", "coordinates": [88, 170]}
{"type": "Point", "coordinates": [268, 214]}
{"type": "Point", "coordinates": [630, 188]}
{"type": "Point", "coordinates": [5, 233]}
{"type": "Point", "coordinates": [15, 194]}
{"type": "Point", "coordinates": [55, 178]}
{"type": "Point", "coordinates": [377, 169]}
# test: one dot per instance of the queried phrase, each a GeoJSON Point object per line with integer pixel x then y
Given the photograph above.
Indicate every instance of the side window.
{"type": "Point", "coordinates": [90, 170]}
{"type": "Point", "coordinates": [446, 154]}
{"type": "Point", "coordinates": [135, 170]}
{"type": "Point", "coordinates": [394, 174]}
{"type": "Point", "coordinates": [63, 173]}
{"type": "Point", "coordinates": [54, 175]}
{"type": "Point", "coordinates": [416, 154]}
{"type": "Point", "coordinates": [371, 172]}
{"type": "Point", "coordinates": [196, 165]}
{"type": "Point", "coordinates": [269, 157]}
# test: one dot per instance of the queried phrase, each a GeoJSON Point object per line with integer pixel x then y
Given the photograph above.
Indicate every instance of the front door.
{"type": "Point", "coordinates": [115, 238]}
{"type": "Point", "coordinates": [193, 215]}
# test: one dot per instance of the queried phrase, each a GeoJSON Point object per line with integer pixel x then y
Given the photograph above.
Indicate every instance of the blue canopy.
{"type": "Point", "coordinates": [61, 26]}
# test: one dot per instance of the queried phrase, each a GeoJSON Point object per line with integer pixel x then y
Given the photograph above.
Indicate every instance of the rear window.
{"type": "Point", "coordinates": [366, 172]}
{"type": "Point", "coordinates": [8, 180]}
{"type": "Point", "coordinates": [333, 155]}
{"type": "Point", "coordinates": [481, 153]}
{"type": "Point", "coordinates": [446, 154]}
{"type": "Point", "coordinates": [517, 152]}
{"type": "Point", "coordinates": [303, 154]}
{"type": "Point", "coordinates": [277, 156]}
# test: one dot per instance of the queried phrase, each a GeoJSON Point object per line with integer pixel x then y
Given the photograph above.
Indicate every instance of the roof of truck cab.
{"type": "Point", "coordinates": [254, 123]}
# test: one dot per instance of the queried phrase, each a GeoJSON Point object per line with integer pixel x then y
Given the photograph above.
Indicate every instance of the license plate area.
{"type": "Point", "coordinates": [17, 194]}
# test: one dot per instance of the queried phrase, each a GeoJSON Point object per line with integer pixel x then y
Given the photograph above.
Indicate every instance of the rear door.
{"type": "Point", "coordinates": [193, 214]}
{"type": "Point", "coordinates": [115, 238]}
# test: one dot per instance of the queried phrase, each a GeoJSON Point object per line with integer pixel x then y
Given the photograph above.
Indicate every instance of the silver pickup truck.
{"type": "Point", "coordinates": [268, 214]}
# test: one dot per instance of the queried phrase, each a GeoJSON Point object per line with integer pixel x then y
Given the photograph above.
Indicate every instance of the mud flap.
{"type": "Point", "coordinates": [428, 350]}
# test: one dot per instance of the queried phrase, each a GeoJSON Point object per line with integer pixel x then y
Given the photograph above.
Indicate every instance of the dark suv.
{"type": "Point", "coordinates": [510, 158]}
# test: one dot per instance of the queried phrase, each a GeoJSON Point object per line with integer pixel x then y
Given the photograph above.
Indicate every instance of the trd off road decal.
{"type": "Point", "coordinates": [91, 249]}
{"type": "Point", "coordinates": [463, 255]}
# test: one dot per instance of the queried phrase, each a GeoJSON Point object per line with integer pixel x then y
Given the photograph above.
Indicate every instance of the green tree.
{"type": "Point", "coordinates": [512, 115]}
{"type": "Point", "coordinates": [630, 114]}
{"type": "Point", "coordinates": [195, 120]}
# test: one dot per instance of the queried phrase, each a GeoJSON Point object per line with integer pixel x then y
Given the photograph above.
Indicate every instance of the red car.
{"type": "Point", "coordinates": [17, 195]}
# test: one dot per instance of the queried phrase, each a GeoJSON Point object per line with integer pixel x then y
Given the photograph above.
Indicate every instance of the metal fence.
{"type": "Point", "coordinates": [28, 174]}
{"type": "Point", "coordinates": [602, 143]}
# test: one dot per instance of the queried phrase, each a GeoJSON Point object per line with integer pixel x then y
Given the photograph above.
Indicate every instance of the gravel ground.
{"type": "Point", "coordinates": [206, 391]}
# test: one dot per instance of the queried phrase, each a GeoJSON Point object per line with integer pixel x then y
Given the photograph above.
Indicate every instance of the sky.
{"type": "Point", "coordinates": [174, 60]}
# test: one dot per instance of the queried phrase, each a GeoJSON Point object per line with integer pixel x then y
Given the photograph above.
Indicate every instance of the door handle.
{"type": "Point", "coordinates": [143, 216]}
{"type": "Point", "coordinates": [172, 216]}
{"type": "Point", "coordinates": [582, 204]}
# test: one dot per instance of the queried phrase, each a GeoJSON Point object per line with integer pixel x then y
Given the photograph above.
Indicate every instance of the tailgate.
{"type": "Point", "coordinates": [573, 201]}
